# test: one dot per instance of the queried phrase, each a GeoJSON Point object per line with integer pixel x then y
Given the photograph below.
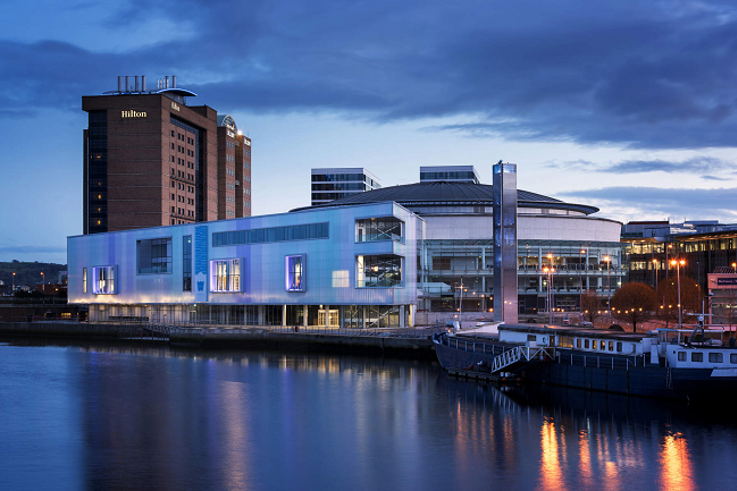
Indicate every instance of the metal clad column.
{"type": "Point", "coordinates": [505, 243]}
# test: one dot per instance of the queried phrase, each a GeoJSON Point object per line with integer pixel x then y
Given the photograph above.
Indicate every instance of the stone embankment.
{"type": "Point", "coordinates": [415, 343]}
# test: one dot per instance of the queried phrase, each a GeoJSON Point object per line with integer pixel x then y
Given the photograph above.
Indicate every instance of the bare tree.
{"type": "Point", "coordinates": [633, 303]}
{"type": "Point", "coordinates": [591, 305]}
{"type": "Point", "coordinates": [667, 299]}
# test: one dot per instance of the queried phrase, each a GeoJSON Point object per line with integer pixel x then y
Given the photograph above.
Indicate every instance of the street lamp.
{"type": "Point", "coordinates": [580, 282]}
{"type": "Point", "coordinates": [549, 272]}
{"type": "Point", "coordinates": [607, 260]}
{"type": "Point", "coordinates": [13, 283]}
{"type": "Point", "coordinates": [678, 264]}
{"type": "Point", "coordinates": [655, 267]}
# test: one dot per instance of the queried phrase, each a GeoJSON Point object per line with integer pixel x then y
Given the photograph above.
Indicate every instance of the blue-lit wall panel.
{"type": "Point", "coordinates": [330, 271]}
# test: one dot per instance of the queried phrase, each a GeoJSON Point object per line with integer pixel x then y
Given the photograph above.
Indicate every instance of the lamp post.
{"type": "Point", "coordinates": [655, 267]}
{"type": "Point", "coordinates": [13, 284]}
{"type": "Point", "coordinates": [678, 264]}
{"type": "Point", "coordinates": [549, 270]}
{"type": "Point", "coordinates": [580, 284]}
{"type": "Point", "coordinates": [607, 260]}
{"type": "Point", "coordinates": [43, 287]}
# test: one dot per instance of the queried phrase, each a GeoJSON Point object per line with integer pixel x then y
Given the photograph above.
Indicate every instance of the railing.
{"type": "Point", "coordinates": [610, 362]}
{"type": "Point", "coordinates": [167, 328]}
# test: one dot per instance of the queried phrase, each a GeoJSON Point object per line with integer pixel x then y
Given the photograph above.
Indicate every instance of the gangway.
{"type": "Point", "coordinates": [521, 354]}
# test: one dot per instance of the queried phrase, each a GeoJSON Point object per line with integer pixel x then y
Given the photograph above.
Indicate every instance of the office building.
{"type": "Point", "coordinates": [450, 173]}
{"type": "Point", "coordinates": [331, 184]}
{"type": "Point", "coordinates": [150, 159]}
{"type": "Point", "coordinates": [395, 256]}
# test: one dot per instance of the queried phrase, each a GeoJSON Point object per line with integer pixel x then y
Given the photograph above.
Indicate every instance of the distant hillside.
{"type": "Point", "coordinates": [29, 274]}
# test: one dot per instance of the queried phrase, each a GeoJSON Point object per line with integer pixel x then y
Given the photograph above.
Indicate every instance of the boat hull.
{"type": "Point", "coordinates": [617, 375]}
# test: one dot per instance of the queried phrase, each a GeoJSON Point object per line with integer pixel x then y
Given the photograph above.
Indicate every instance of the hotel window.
{"type": "Point", "coordinates": [225, 275]}
{"type": "Point", "coordinates": [384, 271]}
{"type": "Point", "coordinates": [187, 263]}
{"type": "Point", "coordinates": [84, 280]}
{"type": "Point", "coordinates": [295, 273]}
{"type": "Point", "coordinates": [154, 255]}
{"type": "Point", "coordinates": [103, 280]}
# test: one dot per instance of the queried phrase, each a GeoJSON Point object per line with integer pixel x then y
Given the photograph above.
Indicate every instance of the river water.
{"type": "Point", "coordinates": [106, 417]}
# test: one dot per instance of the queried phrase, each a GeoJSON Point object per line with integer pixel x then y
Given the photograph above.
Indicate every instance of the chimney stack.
{"type": "Point", "coordinates": [120, 83]}
{"type": "Point", "coordinates": [174, 81]}
{"type": "Point", "coordinates": [143, 83]}
{"type": "Point", "coordinates": [127, 83]}
{"type": "Point", "coordinates": [138, 84]}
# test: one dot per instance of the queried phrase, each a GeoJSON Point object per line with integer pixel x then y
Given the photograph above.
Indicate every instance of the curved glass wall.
{"type": "Point", "coordinates": [461, 271]}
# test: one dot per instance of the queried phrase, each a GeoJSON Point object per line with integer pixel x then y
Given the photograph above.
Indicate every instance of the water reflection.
{"type": "Point", "coordinates": [154, 418]}
{"type": "Point", "coordinates": [675, 464]}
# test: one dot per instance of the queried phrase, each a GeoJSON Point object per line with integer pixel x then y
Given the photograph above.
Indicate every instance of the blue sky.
{"type": "Point", "coordinates": [628, 106]}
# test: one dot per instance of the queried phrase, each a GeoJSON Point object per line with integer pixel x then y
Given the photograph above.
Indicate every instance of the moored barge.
{"type": "Point", "coordinates": [687, 364]}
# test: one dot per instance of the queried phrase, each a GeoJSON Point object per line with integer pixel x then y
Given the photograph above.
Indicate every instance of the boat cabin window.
{"type": "Point", "coordinates": [531, 337]}
{"type": "Point", "coordinates": [619, 346]}
{"type": "Point", "coordinates": [697, 357]}
{"type": "Point", "coordinates": [733, 358]}
{"type": "Point", "coordinates": [682, 356]}
{"type": "Point", "coordinates": [586, 344]}
{"type": "Point", "coordinates": [611, 345]}
{"type": "Point", "coordinates": [578, 344]}
{"type": "Point", "coordinates": [716, 358]}
{"type": "Point", "coordinates": [603, 346]}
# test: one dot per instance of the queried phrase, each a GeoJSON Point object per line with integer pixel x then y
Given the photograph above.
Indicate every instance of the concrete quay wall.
{"type": "Point", "coordinates": [377, 343]}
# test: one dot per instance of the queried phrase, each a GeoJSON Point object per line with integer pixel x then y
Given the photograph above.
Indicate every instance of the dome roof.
{"type": "Point", "coordinates": [444, 193]}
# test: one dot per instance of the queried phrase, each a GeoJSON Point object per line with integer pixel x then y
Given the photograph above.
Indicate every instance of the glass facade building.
{"type": "Point", "coordinates": [336, 183]}
{"type": "Point", "coordinates": [391, 257]}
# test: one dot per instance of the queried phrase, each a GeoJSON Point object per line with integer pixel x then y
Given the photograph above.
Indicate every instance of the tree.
{"type": "Point", "coordinates": [667, 298]}
{"type": "Point", "coordinates": [590, 305]}
{"type": "Point", "coordinates": [634, 302]}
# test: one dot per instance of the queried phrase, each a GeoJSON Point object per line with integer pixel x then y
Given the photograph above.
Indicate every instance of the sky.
{"type": "Point", "coordinates": [628, 106]}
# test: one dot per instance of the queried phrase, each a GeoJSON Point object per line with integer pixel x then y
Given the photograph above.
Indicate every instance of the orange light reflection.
{"type": "Point", "coordinates": [675, 464]}
{"type": "Point", "coordinates": [551, 476]}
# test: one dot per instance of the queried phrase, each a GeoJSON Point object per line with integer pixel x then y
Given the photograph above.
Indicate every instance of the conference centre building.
{"type": "Point", "coordinates": [391, 257]}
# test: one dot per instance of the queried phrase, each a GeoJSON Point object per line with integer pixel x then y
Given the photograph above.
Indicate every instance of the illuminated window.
{"type": "Point", "coordinates": [154, 255]}
{"type": "Point", "coordinates": [368, 230]}
{"type": "Point", "coordinates": [382, 271]}
{"type": "Point", "coordinates": [225, 275]}
{"type": "Point", "coordinates": [295, 273]}
{"type": "Point", "coordinates": [104, 280]}
{"type": "Point", "coordinates": [187, 263]}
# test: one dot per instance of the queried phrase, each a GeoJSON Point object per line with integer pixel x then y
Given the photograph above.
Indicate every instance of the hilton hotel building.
{"type": "Point", "coordinates": [152, 160]}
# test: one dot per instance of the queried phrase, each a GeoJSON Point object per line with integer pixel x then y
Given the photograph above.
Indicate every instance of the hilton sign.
{"type": "Point", "coordinates": [132, 114]}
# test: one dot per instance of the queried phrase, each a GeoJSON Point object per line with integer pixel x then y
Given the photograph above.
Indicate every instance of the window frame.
{"type": "Point", "coordinates": [289, 273]}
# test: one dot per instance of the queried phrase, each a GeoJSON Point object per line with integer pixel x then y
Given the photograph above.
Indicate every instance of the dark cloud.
{"type": "Point", "coordinates": [644, 74]}
{"type": "Point", "coordinates": [696, 165]}
{"type": "Point", "coordinates": [703, 203]}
